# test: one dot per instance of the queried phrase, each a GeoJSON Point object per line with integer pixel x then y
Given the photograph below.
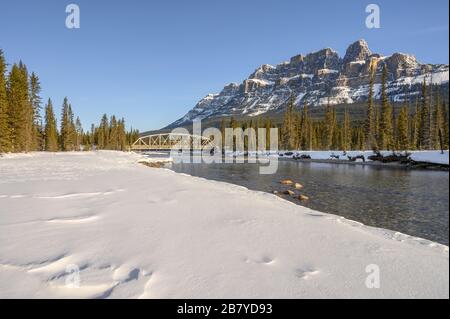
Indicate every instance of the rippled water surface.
{"type": "Point", "coordinates": [415, 202]}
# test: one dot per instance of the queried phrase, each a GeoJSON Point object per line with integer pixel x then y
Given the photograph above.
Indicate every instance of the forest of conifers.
{"type": "Point", "coordinates": [25, 127]}
{"type": "Point", "coordinates": [420, 124]}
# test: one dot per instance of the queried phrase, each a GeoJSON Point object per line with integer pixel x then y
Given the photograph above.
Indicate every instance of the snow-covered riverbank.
{"type": "Point", "coordinates": [139, 232]}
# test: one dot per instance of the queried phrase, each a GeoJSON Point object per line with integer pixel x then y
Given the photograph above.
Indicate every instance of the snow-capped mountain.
{"type": "Point", "coordinates": [316, 79]}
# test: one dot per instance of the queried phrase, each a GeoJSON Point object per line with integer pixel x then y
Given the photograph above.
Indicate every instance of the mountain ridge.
{"type": "Point", "coordinates": [316, 79]}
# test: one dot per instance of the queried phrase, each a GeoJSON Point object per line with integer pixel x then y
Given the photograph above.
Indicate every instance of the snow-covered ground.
{"type": "Point", "coordinates": [140, 232]}
{"type": "Point", "coordinates": [419, 156]}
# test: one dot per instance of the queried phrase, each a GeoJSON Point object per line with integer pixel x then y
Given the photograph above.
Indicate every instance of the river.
{"type": "Point", "coordinates": [414, 202]}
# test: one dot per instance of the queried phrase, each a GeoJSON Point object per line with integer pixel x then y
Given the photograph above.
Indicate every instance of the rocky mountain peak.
{"type": "Point", "coordinates": [316, 79]}
{"type": "Point", "coordinates": [357, 51]}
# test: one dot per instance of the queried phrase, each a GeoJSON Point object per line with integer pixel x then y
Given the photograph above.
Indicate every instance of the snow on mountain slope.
{"type": "Point", "coordinates": [315, 79]}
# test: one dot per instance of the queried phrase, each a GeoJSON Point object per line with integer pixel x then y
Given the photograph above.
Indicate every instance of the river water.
{"type": "Point", "coordinates": [415, 202]}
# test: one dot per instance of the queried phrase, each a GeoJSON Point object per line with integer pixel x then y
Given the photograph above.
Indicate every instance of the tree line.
{"type": "Point", "coordinates": [23, 129]}
{"type": "Point", "coordinates": [421, 123]}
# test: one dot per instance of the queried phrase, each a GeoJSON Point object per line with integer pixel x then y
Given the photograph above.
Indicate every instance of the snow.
{"type": "Point", "coordinates": [418, 156]}
{"type": "Point", "coordinates": [438, 77]}
{"type": "Point", "coordinates": [327, 71]}
{"type": "Point", "coordinates": [430, 157]}
{"type": "Point", "coordinates": [360, 62]}
{"type": "Point", "coordinates": [304, 75]}
{"type": "Point", "coordinates": [261, 82]}
{"type": "Point", "coordinates": [140, 232]}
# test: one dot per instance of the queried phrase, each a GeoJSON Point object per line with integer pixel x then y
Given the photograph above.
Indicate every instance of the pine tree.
{"type": "Point", "coordinates": [19, 110]}
{"type": "Point", "coordinates": [103, 134]}
{"type": "Point", "coordinates": [50, 131]}
{"type": "Point", "coordinates": [72, 129]}
{"type": "Point", "coordinates": [330, 126]}
{"type": "Point", "coordinates": [5, 129]}
{"type": "Point", "coordinates": [438, 122]}
{"type": "Point", "coordinates": [288, 136]}
{"type": "Point", "coordinates": [35, 101]}
{"type": "Point", "coordinates": [346, 132]}
{"type": "Point", "coordinates": [445, 125]}
{"type": "Point", "coordinates": [336, 143]}
{"type": "Point", "coordinates": [386, 130]}
{"type": "Point", "coordinates": [78, 134]}
{"type": "Point", "coordinates": [268, 126]}
{"type": "Point", "coordinates": [371, 142]}
{"type": "Point", "coordinates": [113, 133]}
{"type": "Point", "coordinates": [306, 142]}
{"type": "Point", "coordinates": [424, 140]}
{"type": "Point", "coordinates": [402, 128]}
{"type": "Point", "coordinates": [223, 126]}
{"type": "Point", "coordinates": [416, 128]}
{"type": "Point", "coordinates": [121, 135]}
{"type": "Point", "coordinates": [65, 138]}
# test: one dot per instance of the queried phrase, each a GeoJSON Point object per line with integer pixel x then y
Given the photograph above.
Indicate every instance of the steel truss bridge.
{"type": "Point", "coordinates": [172, 141]}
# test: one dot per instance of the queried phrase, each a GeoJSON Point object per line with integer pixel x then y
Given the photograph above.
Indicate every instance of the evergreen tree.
{"type": "Point", "coordinates": [5, 129]}
{"type": "Point", "coordinates": [78, 134]}
{"type": "Point", "coordinates": [371, 142]}
{"type": "Point", "coordinates": [66, 134]}
{"type": "Point", "coordinates": [438, 122]}
{"type": "Point", "coordinates": [336, 144]}
{"type": "Point", "coordinates": [113, 133]}
{"type": "Point", "coordinates": [19, 110]}
{"type": "Point", "coordinates": [424, 139]}
{"type": "Point", "coordinates": [121, 135]}
{"type": "Point", "coordinates": [223, 126]}
{"type": "Point", "coordinates": [386, 130]}
{"type": "Point", "coordinates": [445, 125]}
{"type": "Point", "coordinates": [268, 126]}
{"type": "Point", "coordinates": [330, 126]}
{"type": "Point", "coordinates": [50, 131]}
{"type": "Point", "coordinates": [305, 129]}
{"type": "Point", "coordinates": [346, 132]}
{"type": "Point", "coordinates": [103, 135]}
{"type": "Point", "coordinates": [402, 128]}
{"type": "Point", "coordinates": [416, 128]}
{"type": "Point", "coordinates": [35, 101]}
{"type": "Point", "coordinates": [288, 136]}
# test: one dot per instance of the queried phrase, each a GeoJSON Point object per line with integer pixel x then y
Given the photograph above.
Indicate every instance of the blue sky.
{"type": "Point", "coordinates": [151, 61]}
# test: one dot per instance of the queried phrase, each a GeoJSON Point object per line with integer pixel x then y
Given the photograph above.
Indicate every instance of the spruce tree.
{"type": "Point", "coordinates": [268, 126]}
{"type": "Point", "coordinates": [402, 128]}
{"type": "Point", "coordinates": [121, 135]}
{"type": "Point", "coordinates": [35, 101]}
{"type": "Point", "coordinates": [19, 110]}
{"type": "Point", "coordinates": [50, 131]}
{"type": "Point", "coordinates": [386, 130]}
{"type": "Point", "coordinates": [371, 142]}
{"type": "Point", "coordinates": [66, 134]}
{"type": "Point", "coordinates": [425, 142]}
{"type": "Point", "coordinates": [288, 135]}
{"type": "Point", "coordinates": [5, 129]}
{"type": "Point", "coordinates": [223, 126]}
{"type": "Point", "coordinates": [445, 124]}
{"type": "Point", "coordinates": [346, 132]}
{"type": "Point", "coordinates": [437, 120]}
{"type": "Point", "coordinates": [415, 136]}
{"type": "Point", "coordinates": [330, 126]}
{"type": "Point", "coordinates": [78, 134]}
{"type": "Point", "coordinates": [113, 133]}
